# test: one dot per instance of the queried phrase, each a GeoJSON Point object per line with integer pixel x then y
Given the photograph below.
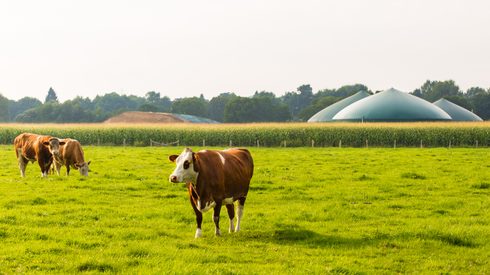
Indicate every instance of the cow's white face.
{"type": "Point", "coordinates": [54, 146]}
{"type": "Point", "coordinates": [185, 170]}
{"type": "Point", "coordinates": [83, 168]}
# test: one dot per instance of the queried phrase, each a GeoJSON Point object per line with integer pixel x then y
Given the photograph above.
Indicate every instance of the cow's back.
{"type": "Point", "coordinates": [227, 172]}
{"type": "Point", "coordinates": [27, 145]}
{"type": "Point", "coordinates": [238, 162]}
{"type": "Point", "coordinates": [72, 152]}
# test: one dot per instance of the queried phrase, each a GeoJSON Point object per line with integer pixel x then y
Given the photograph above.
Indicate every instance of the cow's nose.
{"type": "Point", "coordinates": [173, 178]}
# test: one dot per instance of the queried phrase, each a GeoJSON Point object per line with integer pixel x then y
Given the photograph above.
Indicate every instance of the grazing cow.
{"type": "Point", "coordinates": [215, 178]}
{"type": "Point", "coordinates": [71, 155]}
{"type": "Point", "coordinates": [32, 147]}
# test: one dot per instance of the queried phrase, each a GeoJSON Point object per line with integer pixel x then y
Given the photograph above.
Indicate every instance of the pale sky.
{"type": "Point", "coordinates": [184, 48]}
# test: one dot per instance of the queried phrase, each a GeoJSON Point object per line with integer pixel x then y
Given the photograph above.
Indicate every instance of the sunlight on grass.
{"type": "Point", "coordinates": [309, 210]}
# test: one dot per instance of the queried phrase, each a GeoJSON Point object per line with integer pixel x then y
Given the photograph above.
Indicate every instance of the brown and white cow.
{"type": "Point", "coordinates": [71, 155]}
{"type": "Point", "coordinates": [215, 178]}
{"type": "Point", "coordinates": [32, 147]}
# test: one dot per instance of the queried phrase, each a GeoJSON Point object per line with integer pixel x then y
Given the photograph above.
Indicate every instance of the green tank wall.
{"type": "Point", "coordinates": [329, 112]}
{"type": "Point", "coordinates": [392, 105]}
{"type": "Point", "coordinates": [456, 112]}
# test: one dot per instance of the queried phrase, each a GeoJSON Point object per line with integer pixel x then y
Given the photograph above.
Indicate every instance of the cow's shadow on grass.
{"type": "Point", "coordinates": [293, 235]}
{"type": "Point", "coordinates": [305, 237]}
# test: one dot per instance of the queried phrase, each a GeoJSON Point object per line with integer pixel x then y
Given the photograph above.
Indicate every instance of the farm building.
{"type": "Point", "coordinates": [456, 112]}
{"type": "Point", "coordinates": [391, 105]}
{"type": "Point", "coordinates": [150, 117]}
{"type": "Point", "coordinates": [329, 112]}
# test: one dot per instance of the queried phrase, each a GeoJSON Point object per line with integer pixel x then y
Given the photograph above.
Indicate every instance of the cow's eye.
{"type": "Point", "coordinates": [186, 164]}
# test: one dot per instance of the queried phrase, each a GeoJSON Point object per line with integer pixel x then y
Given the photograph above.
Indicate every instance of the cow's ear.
{"type": "Point", "coordinates": [172, 158]}
{"type": "Point", "coordinates": [46, 143]}
{"type": "Point", "coordinates": [195, 162]}
{"type": "Point", "coordinates": [62, 143]}
{"type": "Point", "coordinates": [88, 163]}
{"type": "Point", "coordinates": [77, 165]}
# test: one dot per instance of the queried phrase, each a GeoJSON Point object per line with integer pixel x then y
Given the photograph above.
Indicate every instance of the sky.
{"type": "Point", "coordinates": [184, 48]}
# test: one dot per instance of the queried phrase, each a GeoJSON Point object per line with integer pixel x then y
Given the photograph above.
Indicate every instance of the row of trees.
{"type": "Point", "coordinates": [263, 106]}
{"type": "Point", "coordinates": [475, 99]}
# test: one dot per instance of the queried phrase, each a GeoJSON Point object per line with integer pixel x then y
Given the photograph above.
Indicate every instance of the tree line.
{"type": "Point", "coordinates": [298, 105]}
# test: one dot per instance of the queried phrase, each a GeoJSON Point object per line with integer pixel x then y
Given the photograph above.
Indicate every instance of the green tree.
{"type": "Point", "coordinates": [4, 108]}
{"type": "Point", "coordinates": [217, 105]}
{"type": "Point", "coordinates": [255, 109]}
{"type": "Point", "coordinates": [22, 105]}
{"type": "Point", "coordinates": [196, 106]}
{"type": "Point", "coordinates": [162, 104]}
{"type": "Point", "coordinates": [481, 104]}
{"type": "Point", "coordinates": [473, 91]}
{"type": "Point", "coordinates": [148, 108]}
{"type": "Point", "coordinates": [69, 111]}
{"type": "Point", "coordinates": [434, 90]}
{"type": "Point", "coordinates": [297, 101]}
{"type": "Point", "coordinates": [112, 104]}
{"type": "Point", "coordinates": [51, 97]}
{"type": "Point", "coordinates": [348, 90]}
{"type": "Point", "coordinates": [344, 91]}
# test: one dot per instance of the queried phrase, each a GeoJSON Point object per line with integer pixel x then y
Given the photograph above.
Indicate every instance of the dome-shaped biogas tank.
{"type": "Point", "coordinates": [456, 112]}
{"type": "Point", "coordinates": [329, 112]}
{"type": "Point", "coordinates": [392, 105]}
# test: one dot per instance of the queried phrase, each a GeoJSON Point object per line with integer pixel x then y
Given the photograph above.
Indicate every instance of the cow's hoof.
{"type": "Point", "coordinates": [198, 233]}
{"type": "Point", "coordinates": [217, 232]}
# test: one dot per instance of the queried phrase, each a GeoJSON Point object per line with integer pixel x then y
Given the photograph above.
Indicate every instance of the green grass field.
{"type": "Point", "coordinates": [309, 210]}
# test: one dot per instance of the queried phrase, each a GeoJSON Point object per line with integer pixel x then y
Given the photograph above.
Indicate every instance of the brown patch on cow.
{"type": "Point", "coordinates": [33, 147]}
{"type": "Point", "coordinates": [72, 156]}
{"type": "Point", "coordinates": [172, 158]}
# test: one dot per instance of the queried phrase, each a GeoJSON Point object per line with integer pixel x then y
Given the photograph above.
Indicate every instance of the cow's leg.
{"type": "Point", "coordinates": [22, 165]}
{"type": "Point", "coordinates": [57, 166]}
{"type": "Point", "coordinates": [42, 165]}
{"type": "Point", "coordinates": [217, 210]}
{"type": "Point", "coordinates": [67, 169]}
{"type": "Point", "coordinates": [198, 218]}
{"type": "Point", "coordinates": [239, 212]}
{"type": "Point", "coordinates": [231, 215]}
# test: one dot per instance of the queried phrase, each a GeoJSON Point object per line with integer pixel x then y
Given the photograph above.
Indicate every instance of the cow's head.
{"type": "Point", "coordinates": [83, 168]}
{"type": "Point", "coordinates": [53, 145]}
{"type": "Point", "coordinates": [187, 167]}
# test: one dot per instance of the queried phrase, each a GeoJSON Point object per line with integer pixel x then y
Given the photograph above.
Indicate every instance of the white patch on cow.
{"type": "Point", "coordinates": [239, 213]}
{"type": "Point", "coordinates": [182, 174]}
{"type": "Point", "coordinates": [83, 169]}
{"type": "Point", "coordinates": [198, 233]}
{"type": "Point", "coordinates": [221, 158]}
{"type": "Point", "coordinates": [22, 167]}
{"type": "Point", "coordinates": [228, 200]}
{"type": "Point", "coordinates": [232, 227]}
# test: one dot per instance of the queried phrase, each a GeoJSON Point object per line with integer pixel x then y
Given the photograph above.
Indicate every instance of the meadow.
{"type": "Point", "coordinates": [309, 210]}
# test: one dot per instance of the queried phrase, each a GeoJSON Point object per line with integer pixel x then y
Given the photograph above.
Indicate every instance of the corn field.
{"type": "Point", "coordinates": [437, 134]}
